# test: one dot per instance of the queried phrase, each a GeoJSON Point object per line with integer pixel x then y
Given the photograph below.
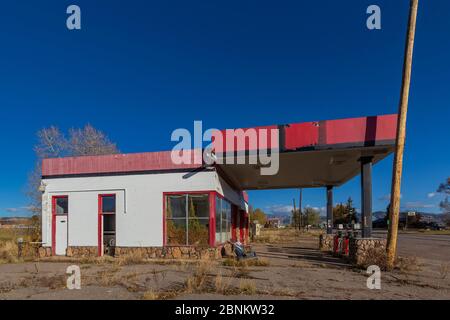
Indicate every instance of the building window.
{"type": "Point", "coordinates": [108, 212]}
{"type": "Point", "coordinates": [62, 205]}
{"type": "Point", "coordinates": [187, 219]}
{"type": "Point", "coordinates": [223, 220]}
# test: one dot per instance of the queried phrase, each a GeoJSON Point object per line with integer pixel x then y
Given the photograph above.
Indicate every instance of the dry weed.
{"type": "Point", "coordinates": [247, 287]}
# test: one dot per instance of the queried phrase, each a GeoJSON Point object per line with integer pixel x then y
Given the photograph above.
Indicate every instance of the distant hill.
{"type": "Point", "coordinates": [14, 220]}
{"type": "Point", "coordinates": [425, 216]}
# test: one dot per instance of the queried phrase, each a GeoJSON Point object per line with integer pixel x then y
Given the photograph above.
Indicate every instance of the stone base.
{"type": "Point", "coordinates": [364, 252]}
{"type": "Point", "coordinates": [44, 252]}
{"type": "Point", "coordinates": [170, 252]}
{"type": "Point", "coordinates": [142, 252]}
{"type": "Point", "coordinates": [326, 242]}
{"type": "Point", "coordinates": [82, 252]}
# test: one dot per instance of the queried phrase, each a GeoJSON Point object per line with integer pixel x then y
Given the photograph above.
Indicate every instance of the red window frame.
{"type": "Point", "coordinates": [100, 220]}
{"type": "Point", "coordinates": [212, 204]}
{"type": "Point", "coordinates": [54, 198]}
{"type": "Point", "coordinates": [212, 214]}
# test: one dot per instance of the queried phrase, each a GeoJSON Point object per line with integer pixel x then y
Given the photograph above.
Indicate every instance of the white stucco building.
{"type": "Point", "coordinates": [99, 203]}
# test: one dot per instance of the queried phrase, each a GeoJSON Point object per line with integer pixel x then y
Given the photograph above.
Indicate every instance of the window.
{"type": "Point", "coordinates": [187, 219]}
{"type": "Point", "coordinates": [223, 220]}
{"type": "Point", "coordinates": [62, 205]}
{"type": "Point", "coordinates": [108, 210]}
{"type": "Point", "coordinates": [109, 204]}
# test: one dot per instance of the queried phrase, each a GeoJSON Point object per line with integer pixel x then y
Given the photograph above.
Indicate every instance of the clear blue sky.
{"type": "Point", "coordinates": [139, 69]}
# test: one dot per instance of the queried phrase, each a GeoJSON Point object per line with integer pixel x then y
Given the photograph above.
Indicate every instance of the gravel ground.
{"type": "Point", "coordinates": [293, 269]}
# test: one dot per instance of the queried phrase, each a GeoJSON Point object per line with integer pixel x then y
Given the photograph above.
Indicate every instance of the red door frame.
{"type": "Point", "coordinates": [54, 220]}
{"type": "Point", "coordinates": [242, 225]}
{"type": "Point", "coordinates": [234, 213]}
{"type": "Point", "coordinates": [100, 221]}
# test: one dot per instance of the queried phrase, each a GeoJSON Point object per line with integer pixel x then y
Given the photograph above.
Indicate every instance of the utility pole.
{"type": "Point", "coordinates": [300, 208]}
{"type": "Point", "coordinates": [400, 141]}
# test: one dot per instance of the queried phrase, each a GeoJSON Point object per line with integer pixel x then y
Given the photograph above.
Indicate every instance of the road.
{"type": "Point", "coordinates": [421, 245]}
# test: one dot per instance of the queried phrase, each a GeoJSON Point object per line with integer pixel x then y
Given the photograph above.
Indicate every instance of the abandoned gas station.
{"type": "Point", "coordinates": [114, 204]}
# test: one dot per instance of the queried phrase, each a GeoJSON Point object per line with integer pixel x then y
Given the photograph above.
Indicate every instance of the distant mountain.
{"type": "Point", "coordinates": [425, 216]}
{"type": "Point", "coordinates": [14, 220]}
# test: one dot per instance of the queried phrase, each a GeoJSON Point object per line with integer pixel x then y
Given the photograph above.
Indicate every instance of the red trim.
{"type": "Point", "coordinates": [212, 218]}
{"type": "Point", "coordinates": [164, 219]}
{"type": "Point", "coordinates": [100, 221]}
{"type": "Point", "coordinates": [117, 163]}
{"type": "Point", "coordinates": [242, 225]}
{"type": "Point", "coordinates": [100, 228]}
{"type": "Point", "coordinates": [234, 213]}
{"type": "Point", "coordinates": [212, 209]}
{"type": "Point", "coordinates": [54, 221]}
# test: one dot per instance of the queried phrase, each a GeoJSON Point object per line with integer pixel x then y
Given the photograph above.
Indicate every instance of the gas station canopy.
{"type": "Point", "coordinates": [312, 154]}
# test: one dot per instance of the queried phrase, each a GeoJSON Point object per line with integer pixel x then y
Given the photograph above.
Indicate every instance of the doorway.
{"type": "Point", "coordinates": [60, 224]}
{"type": "Point", "coordinates": [107, 220]}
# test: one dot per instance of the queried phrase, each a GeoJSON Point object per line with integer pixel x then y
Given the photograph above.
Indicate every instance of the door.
{"type": "Point", "coordinates": [107, 224]}
{"type": "Point", "coordinates": [61, 235]}
{"type": "Point", "coordinates": [60, 222]}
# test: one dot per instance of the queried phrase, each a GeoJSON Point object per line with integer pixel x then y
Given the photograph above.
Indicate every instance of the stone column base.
{"type": "Point", "coordinates": [326, 242]}
{"type": "Point", "coordinates": [364, 252]}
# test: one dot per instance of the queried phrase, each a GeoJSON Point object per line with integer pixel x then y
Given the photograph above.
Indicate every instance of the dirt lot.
{"type": "Point", "coordinates": [290, 267]}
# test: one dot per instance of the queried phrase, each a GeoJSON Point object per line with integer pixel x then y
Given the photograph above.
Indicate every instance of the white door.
{"type": "Point", "coordinates": [61, 235]}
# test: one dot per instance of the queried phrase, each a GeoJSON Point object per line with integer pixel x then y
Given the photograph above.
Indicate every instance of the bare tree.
{"type": "Point", "coordinates": [89, 141]}
{"type": "Point", "coordinates": [52, 143]}
{"type": "Point", "coordinates": [444, 188]}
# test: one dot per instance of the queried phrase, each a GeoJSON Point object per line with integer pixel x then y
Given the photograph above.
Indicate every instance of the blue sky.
{"type": "Point", "coordinates": [140, 69]}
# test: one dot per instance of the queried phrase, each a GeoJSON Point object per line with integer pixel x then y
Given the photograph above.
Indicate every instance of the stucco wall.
{"type": "Point", "coordinates": [139, 216]}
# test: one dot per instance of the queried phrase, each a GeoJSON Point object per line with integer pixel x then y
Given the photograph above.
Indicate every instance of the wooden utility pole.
{"type": "Point", "coordinates": [400, 141]}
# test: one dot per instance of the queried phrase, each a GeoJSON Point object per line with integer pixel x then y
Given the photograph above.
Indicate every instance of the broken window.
{"type": "Point", "coordinates": [187, 219]}
{"type": "Point", "coordinates": [223, 220]}
{"type": "Point", "coordinates": [62, 205]}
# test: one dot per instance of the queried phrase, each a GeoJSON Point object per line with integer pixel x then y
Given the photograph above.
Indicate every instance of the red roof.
{"type": "Point", "coordinates": [117, 163]}
{"type": "Point", "coordinates": [360, 132]}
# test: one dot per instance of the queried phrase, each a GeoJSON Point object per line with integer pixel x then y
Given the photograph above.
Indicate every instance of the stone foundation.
{"type": "Point", "coordinates": [326, 242]}
{"type": "Point", "coordinates": [82, 252]}
{"type": "Point", "coordinates": [44, 252]}
{"type": "Point", "coordinates": [170, 252]}
{"type": "Point", "coordinates": [364, 252]}
{"type": "Point", "coordinates": [143, 252]}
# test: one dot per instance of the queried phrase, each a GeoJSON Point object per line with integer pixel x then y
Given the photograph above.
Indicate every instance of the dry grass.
{"type": "Point", "coordinates": [51, 282]}
{"type": "Point", "coordinates": [284, 235]}
{"type": "Point", "coordinates": [198, 281]}
{"type": "Point", "coordinates": [259, 262]}
{"type": "Point", "coordinates": [8, 252]}
{"type": "Point", "coordinates": [131, 258]}
{"type": "Point", "coordinates": [247, 287]}
{"type": "Point", "coordinates": [407, 264]}
{"type": "Point", "coordinates": [152, 295]}
{"type": "Point", "coordinates": [444, 269]}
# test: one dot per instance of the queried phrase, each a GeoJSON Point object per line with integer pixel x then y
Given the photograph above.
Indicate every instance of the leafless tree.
{"type": "Point", "coordinates": [89, 141]}
{"type": "Point", "coordinates": [52, 143]}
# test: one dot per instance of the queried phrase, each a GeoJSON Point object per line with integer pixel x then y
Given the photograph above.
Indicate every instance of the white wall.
{"type": "Point", "coordinates": [139, 202]}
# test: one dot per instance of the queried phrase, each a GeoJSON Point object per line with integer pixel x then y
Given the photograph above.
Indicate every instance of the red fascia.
{"type": "Point", "coordinates": [221, 142]}
{"type": "Point", "coordinates": [365, 129]}
{"type": "Point", "coordinates": [117, 163]}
